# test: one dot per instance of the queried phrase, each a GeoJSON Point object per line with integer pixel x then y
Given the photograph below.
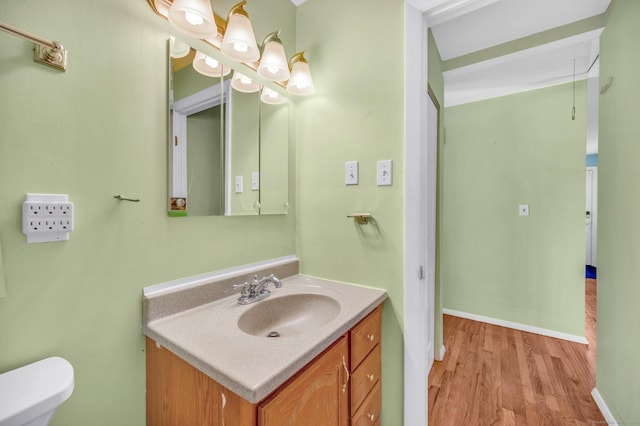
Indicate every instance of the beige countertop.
{"type": "Point", "coordinates": [207, 336]}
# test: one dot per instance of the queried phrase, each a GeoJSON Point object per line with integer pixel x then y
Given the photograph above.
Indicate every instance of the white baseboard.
{"type": "Point", "coordinates": [518, 326]}
{"type": "Point", "coordinates": [440, 355]}
{"type": "Point", "coordinates": [606, 413]}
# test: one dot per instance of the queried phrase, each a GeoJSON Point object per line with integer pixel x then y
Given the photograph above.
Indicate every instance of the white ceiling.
{"type": "Point", "coordinates": [506, 20]}
{"type": "Point", "coordinates": [534, 68]}
{"type": "Point", "coordinates": [463, 29]}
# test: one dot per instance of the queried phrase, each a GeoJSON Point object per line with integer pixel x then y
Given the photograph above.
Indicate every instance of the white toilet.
{"type": "Point", "coordinates": [30, 395]}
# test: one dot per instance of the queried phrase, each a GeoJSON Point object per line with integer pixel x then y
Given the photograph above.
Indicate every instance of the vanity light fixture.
{"type": "Point", "coordinates": [244, 84]}
{"type": "Point", "coordinates": [208, 66]}
{"type": "Point", "coordinates": [239, 41]}
{"type": "Point", "coordinates": [271, 97]}
{"type": "Point", "coordinates": [273, 64]}
{"type": "Point", "coordinates": [194, 18]}
{"type": "Point", "coordinates": [300, 82]}
{"type": "Point", "coordinates": [235, 35]}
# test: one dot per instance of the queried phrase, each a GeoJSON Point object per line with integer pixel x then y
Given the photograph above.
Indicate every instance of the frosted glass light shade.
{"type": "Point", "coordinates": [193, 17]}
{"type": "Point", "coordinates": [273, 64]}
{"type": "Point", "coordinates": [244, 84]}
{"type": "Point", "coordinates": [178, 48]}
{"type": "Point", "coordinates": [239, 41]}
{"type": "Point", "coordinates": [300, 82]}
{"type": "Point", "coordinates": [271, 97]}
{"type": "Point", "coordinates": [208, 66]}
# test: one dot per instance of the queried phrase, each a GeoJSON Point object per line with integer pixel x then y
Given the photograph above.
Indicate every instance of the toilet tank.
{"type": "Point", "coordinates": [30, 395]}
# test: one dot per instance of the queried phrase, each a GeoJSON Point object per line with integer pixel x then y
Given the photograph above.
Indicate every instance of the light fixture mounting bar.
{"type": "Point", "coordinates": [46, 52]}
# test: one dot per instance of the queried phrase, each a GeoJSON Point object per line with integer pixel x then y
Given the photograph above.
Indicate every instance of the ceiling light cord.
{"type": "Point", "coordinates": [573, 110]}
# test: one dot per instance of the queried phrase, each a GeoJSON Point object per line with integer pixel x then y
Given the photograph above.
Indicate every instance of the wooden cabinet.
{"type": "Point", "coordinates": [318, 395]}
{"type": "Point", "coordinates": [366, 370]}
{"type": "Point", "coordinates": [341, 386]}
{"type": "Point", "coordinates": [179, 394]}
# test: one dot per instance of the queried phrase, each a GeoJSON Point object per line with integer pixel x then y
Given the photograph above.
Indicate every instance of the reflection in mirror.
{"type": "Point", "coordinates": [274, 158]}
{"type": "Point", "coordinates": [243, 154]}
{"type": "Point", "coordinates": [3, 292]}
{"type": "Point", "coordinates": [228, 150]}
{"type": "Point", "coordinates": [196, 117]}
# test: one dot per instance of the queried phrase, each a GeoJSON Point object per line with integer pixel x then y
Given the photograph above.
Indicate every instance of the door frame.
{"type": "Point", "coordinates": [415, 302]}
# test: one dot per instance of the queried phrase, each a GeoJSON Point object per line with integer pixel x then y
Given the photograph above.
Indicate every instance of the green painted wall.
{"type": "Point", "coordinates": [205, 158]}
{"type": "Point", "coordinates": [245, 150]}
{"type": "Point", "coordinates": [436, 83]}
{"type": "Point", "coordinates": [618, 370]}
{"type": "Point", "coordinates": [93, 132]}
{"type": "Point", "coordinates": [356, 57]}
{"type": "Point", "coordinates": [274, 154]}
{"type": "Point", "coordinates": [499, 153]}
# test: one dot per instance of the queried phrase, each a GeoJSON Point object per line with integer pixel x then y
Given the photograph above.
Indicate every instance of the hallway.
{"type": "Point", "coordinates": [493, 375]}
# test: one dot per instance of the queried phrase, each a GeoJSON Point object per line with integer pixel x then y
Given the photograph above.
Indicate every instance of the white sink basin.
{"type": "Point", "coordinates": [289, 315]}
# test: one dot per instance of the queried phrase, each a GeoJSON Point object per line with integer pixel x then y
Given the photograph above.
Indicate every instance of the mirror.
{"type": "Point", "coordinates": [274, 156]}
{"type": "Point", "coordinates": [243, 155]}
{"type": "Point", "coordinates": [228, 150]}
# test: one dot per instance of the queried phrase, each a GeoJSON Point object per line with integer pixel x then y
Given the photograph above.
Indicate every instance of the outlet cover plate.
{"type": "Point", "coordinates": [47, 217]}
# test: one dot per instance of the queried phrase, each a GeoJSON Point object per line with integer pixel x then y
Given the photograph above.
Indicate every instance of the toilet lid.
{"type": "Point", "coordinates": [34, 389]}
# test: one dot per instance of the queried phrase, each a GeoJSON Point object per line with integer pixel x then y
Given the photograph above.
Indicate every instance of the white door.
{"type": "Point", "coordinates": [591, 217]}
{"type": "Point", "coordinates": [588, 217]}
{"type": "Point", "coordinates": [430, 222]}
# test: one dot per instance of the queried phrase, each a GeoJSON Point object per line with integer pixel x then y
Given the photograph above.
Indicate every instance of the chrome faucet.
{"type": "Point", "coordinates": [257, 289]}
{"type": "Point", "coordinates": [261, 287]}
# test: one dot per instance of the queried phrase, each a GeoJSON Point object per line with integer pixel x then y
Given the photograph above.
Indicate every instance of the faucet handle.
{"type": "Point", "coordinates": [244, 288]}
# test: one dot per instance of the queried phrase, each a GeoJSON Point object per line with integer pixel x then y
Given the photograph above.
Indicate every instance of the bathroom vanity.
{"type": "Point", "coordinates": [211, 362]}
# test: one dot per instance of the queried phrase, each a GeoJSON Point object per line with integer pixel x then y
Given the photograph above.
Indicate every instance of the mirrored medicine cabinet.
{"type": "Point", "coordinates": [228, 151]}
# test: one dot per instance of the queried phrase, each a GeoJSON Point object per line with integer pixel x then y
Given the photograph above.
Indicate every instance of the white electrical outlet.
{"type": "Point", "coordinates": [524, 209]}
{"type": "Point", "coordinates": [351, 173]}
{"type": "Point", "coordinates": [255, 181]}
{"type": "Point", "coordinates": [47, 217]}
{"type": "Point", "coordinates": [385, 173]}
{"type": "Point", "coordinates": [238, 184]}
{"type": "Point", "coordinates": [32, 225]}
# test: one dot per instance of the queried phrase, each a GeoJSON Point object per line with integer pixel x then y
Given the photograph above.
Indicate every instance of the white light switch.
{"type": "Point", "coordinates": [524, 209]}
{"type": "Point", "coordinates": [255, 181]}
{"type": "Point", "coordinates": [351, 173]}
{"type": "Point", "coordinates": [238, 184]}
{"type": "Point", "coordinates": [385, 172]}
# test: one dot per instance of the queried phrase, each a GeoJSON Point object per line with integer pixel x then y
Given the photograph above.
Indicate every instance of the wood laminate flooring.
{"type": "Point", "coordinates": [493, 375]}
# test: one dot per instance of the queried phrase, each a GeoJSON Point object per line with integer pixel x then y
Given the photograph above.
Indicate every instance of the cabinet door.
{"type": "Point", "coordinates": [318, 395]}
{"type": "Point", "coordinates": [178, 394]}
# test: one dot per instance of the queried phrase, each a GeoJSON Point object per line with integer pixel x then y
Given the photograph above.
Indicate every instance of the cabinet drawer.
{"type": "Point", "coordinates": [365, 377]}
{"type": "Point", "coordinates": [369, 413]}
{"type": "Point", "coordinates": [365, 336]}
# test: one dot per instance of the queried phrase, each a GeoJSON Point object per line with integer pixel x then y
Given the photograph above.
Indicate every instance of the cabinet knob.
{"type": "Point", "coordinates": [371, 417]}
{"type": "Point", "coordinates": [371, 337]}
{"type": "Point", "coordinates": [370, 377]}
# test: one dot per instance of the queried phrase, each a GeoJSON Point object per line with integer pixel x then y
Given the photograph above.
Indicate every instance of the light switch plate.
{"type": "Point", "coordinates": [524, 209]}
{"type": "Point", "coordinates": [385, 173]}
{"type": "Point", "coordinates": [238, 184]}
{"type": "Point", "coordinates": [351, 173]}
{"type": "Point", "coordinates": [255, 181]}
